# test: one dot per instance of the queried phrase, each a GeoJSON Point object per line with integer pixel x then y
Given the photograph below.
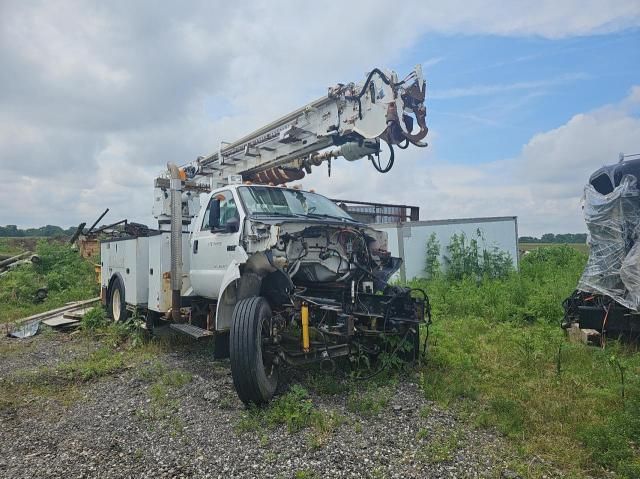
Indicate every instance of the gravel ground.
{"type": "Point", "coordinates": [116, 429]}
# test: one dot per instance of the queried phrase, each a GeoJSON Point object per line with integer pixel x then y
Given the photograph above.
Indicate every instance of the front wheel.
{"type": "Point", "coordinates": [255, 377]}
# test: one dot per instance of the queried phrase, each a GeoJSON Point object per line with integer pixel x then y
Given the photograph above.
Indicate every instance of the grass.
{"type": "Point", "coordinates": [63, 383]}
{"type": "Point", "coordinates": [582, 247]}
{"type": "Point", "coordinates": [441, 448]}
{"type": "Point", "coordinates": [164, 403]}
{"type": "Point", "coordinates": [306, 474]}
{"type": "Point", "coordinates": [12, 247]}
{"type": "Point", "coordinates": [498, 356]}
{"type": "Point", "coordinates": [369, 402]}
{"type": "Point", "coordinates": [294, 410]}
{"type": "Point", "coordinates": [121, 346]}
{"type": "Point", "coordinates": [62, 271]}
{"type": "Point", "coordinates": [103, 362]}
{"type": "Point", "coordinates": [114, 352]}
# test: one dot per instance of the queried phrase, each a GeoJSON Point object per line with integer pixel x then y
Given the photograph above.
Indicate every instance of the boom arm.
{"type": "Point", "coordinates": [352, 118]}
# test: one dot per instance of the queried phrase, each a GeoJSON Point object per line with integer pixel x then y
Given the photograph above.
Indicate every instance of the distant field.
{"type": "Point", "coordinates": [583, 247]}
{"type": "Point", "coordinates": [12, 246]}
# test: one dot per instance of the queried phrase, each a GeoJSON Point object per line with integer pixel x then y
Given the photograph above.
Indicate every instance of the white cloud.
{"type": "Point", "coordinates": [96, 98]}
{"type": "Point", "coordinates": [483, 90]}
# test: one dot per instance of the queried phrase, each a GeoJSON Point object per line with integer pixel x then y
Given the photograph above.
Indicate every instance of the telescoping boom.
{"type": "Point", "coordinates": [352, 121]}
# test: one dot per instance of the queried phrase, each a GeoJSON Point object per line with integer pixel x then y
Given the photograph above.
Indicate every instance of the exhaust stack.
{"type": "Point", "coordinates": [175, 188]}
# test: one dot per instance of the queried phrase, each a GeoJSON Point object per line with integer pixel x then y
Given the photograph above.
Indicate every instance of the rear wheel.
{"type": "Point", "coordinates": [117, 307]}
{"type": "Point", "coordinates": [255, 376]}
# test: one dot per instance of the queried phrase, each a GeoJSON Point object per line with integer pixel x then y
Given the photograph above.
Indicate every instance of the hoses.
{"type": "Point", "coordinates": [405, 146]}
{"type": "Point", "coordinates": [378, 166]}
{"type": "Point", "coordinates": [382, 76]}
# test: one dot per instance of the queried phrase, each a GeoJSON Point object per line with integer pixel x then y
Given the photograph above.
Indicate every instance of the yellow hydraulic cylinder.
{"type": "Point", "coordinates": [304, 314]}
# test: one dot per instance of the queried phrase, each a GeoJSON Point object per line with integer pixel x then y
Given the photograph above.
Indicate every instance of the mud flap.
{"type": "Point", "coordinates": [221, 346]}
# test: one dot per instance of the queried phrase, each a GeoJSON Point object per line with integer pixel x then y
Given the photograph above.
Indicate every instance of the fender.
{"type": "Point", "coordinates": [228, 295]}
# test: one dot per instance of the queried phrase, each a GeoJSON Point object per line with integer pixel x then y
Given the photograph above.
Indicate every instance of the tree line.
{"type": "Point", "coordinates": [48, 230]}
{"type": "Point", "coordinates": [553, 238]}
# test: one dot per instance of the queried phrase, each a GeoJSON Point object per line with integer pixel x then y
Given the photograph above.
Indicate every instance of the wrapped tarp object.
{"type": "Point", "coordinates": [613, 219]}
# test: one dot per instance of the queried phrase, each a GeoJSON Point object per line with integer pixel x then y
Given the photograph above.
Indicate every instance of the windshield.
{"type": "Point", "coordinates": [282, 201]}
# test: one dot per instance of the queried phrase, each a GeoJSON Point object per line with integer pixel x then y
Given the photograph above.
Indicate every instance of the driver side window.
{"type": "Point", "coordinates": [228, 210]}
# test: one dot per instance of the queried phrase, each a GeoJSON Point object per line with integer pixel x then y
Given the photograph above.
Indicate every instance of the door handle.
{"type": "Point", "coordinates": [195, 246]}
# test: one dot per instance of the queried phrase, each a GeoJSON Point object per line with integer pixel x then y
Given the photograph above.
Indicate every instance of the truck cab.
{"type": "Point", "coordinates": [246, 233]}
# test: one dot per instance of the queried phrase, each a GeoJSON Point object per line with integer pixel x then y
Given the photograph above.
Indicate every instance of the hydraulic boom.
{"type": "Point", "coordinates": [351, 121]}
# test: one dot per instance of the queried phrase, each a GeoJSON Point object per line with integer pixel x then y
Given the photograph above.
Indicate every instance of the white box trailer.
{"type": "Point", "coordinates": [143, 264]}
{"type": "Point", "coordinates": [409, 240]}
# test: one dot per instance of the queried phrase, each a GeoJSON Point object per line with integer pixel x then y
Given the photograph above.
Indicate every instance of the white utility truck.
{"type": "Point", "coordinates": [278, 276]}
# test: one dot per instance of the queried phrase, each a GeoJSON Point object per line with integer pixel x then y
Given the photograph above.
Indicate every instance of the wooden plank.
{"type": "Point", "coordinates": [13, 259]}
{"type": "Point", "coordinates": [60, 321]}
{"type": "Point", "coordinates": [62, 309]}
{"type": "Point", "coordinates": [76, 313]}
{"type": "Point", "coordinates": [7, 327]}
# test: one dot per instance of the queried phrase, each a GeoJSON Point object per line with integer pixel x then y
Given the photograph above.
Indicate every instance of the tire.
{"type": "Point", "coordinates": [254, 383]}
{"type": "Point", "coordinates": [117, 306]}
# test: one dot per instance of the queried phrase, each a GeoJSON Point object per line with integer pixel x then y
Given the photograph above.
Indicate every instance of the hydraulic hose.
{"type": "Point", "coordinates": [377, 164]}
{"type": "Point", "coordinates": [382, 76]}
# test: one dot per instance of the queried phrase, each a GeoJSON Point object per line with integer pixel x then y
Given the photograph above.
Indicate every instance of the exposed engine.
{"type": "Point", "coordinates": [324, 253]}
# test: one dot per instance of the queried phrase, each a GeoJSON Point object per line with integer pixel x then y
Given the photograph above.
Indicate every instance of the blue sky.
{"type": "Point", "coordinates": [488, 95]}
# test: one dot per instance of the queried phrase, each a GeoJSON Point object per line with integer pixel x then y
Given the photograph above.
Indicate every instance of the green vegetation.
{"type": "Point", "coordinates": [498, 355]}
{"type": "Point", "coordinates": [293, 409]}
{"type": "Point", "coordinates": [104, 349]}
{"type": "Point", "coordinates": [11, 247]}
{"type": "Point", "coordinates": [48, 230]}
{"type": "Point", "coordinates": [582, 247]}
{"type": "Point", "coordinates": [164, 402]}
{"type": "Point", "coordinates": [61, 270]}
{"type": "Point", "coordinates": [100, 363]}
{"type": "Point", "coordinates": [550, 238]}
{"type": "Point", "coordinates": [440, 448]}
{"type": "Point", "coordinates": [306, 474]}
{"type": "Point", "coordinates": [547, 276]}
{"type": "Point", "coordinates": [466, 257]}
{"type": "Point", "coordinates": [326, 384]}
{"type": "Point", "coordinates": [296, 411]}
{"type": "Point", "coordinates": [473, 258]}
{"type": "Point", "coordinates": [369, 402]}
{"type": "Point", "coordinates": [432, 257]}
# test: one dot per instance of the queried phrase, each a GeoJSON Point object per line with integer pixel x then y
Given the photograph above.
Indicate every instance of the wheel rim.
{"type": "Point", "coordinates": [269, 367]}
{"type": "Point", "coordinates": [116, 305]}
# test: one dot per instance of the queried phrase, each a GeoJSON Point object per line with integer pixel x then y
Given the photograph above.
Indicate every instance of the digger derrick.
{"type": "Point", "coordinates": [278, 276]}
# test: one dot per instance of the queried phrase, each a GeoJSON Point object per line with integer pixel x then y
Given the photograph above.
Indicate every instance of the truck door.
{"type": "Point", "coordinates": [215, 244]}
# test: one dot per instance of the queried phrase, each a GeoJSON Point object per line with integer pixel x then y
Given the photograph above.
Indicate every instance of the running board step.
{"type": "Point", "coordinates": [191, 330]}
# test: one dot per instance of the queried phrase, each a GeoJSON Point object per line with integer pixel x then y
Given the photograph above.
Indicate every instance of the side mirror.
{"type": "Point", "coordinates": [214, 215]}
